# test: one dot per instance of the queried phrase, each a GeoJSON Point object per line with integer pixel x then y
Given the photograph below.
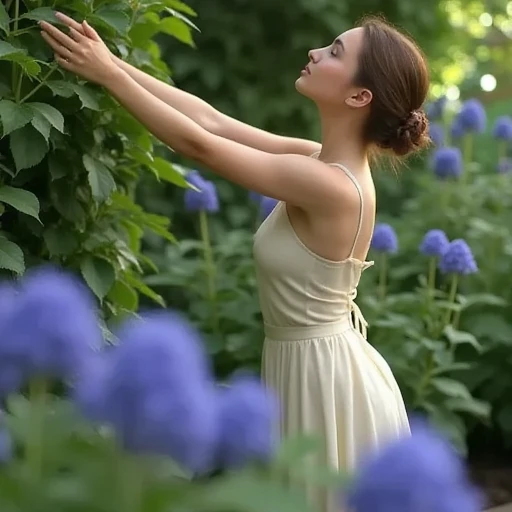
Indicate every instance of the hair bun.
{"type": "Point", "coordinates": [412, 134]}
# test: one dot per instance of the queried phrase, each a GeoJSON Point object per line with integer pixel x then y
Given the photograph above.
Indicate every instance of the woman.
{"type": "Point", "coordinates": [369, 86]}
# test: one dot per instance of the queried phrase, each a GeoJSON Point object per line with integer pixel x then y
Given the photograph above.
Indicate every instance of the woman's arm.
{"type": "Point", "coordinates": [293, 178]}
{"type": "Point", "coordinates": [200, 111]}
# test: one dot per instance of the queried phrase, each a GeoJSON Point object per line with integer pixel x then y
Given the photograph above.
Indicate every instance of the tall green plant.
{"type": "Point", "coordinates": [70, 158]}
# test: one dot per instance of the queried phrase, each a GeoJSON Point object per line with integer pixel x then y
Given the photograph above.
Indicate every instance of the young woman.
{"type": "Point", "coordinates": [369, 85]}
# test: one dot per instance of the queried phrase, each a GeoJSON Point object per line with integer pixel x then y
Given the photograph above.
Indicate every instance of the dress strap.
{"type": "Point", "coordinates": [361, 204]}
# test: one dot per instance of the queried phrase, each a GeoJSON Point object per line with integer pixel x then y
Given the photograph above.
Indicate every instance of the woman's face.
{"type": "Point", "coordinates": [328, 77]}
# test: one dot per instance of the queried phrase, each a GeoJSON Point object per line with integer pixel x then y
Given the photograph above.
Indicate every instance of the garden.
{"type": "Point", "coordinates": [110, 244]}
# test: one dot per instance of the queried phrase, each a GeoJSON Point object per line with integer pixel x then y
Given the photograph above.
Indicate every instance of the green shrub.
{"type": "Point", "coordinates": [70, 158]}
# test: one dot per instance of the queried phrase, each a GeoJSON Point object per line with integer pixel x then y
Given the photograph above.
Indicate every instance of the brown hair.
{"type": "Point", "coordinates": [395, 70]}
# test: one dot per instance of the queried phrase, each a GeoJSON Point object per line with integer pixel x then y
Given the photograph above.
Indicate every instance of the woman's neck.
{"type": "Point", "coordinates": [341, 141]}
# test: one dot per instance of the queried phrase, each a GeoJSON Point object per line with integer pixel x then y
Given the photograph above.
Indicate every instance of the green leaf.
{"type": "Point", "coordinates": [99, 274]}
{"type": "Point", "coordinates": [293, 451]}
{"type": "Point", "coordinates": [42, 125]}
{"type": "Point", "coordinates": [180, 6]}
{"type": "Point", "coordinates": [4, 19]}
{"type": "Point", "coordinates": [118, 20]}
{"type": "Point", "coordinates": [100, 179]}
{"type": "Point", "coordinates": [21, 200]}
{"type": "Point", "coordinates": [143, 288]}
{"type": "Point", "coordinates": [51, 114]}
{"type": "Point", "coordinates": [14, 116]}
{"type": "Point", "coordinates": [41, 14]}
{"type": "Point", "coordinates": [167, 172]}
{"type": "Point", "coordinates": [28, 147]}
{"type": "Point", "coordinates": [26, 62]}
{"type": "Point", "coordinates": [5, 90]}
{"type": "Point", "coordinates": [124, 296]}
{"type": "Point", "coordinates": [65, 203]}
{"type": "Point", "coordinates": [7, 49]}
{"type": "Point", "coordinates": [11, 256]}
{"type": "Point", "coordinates": [178, 29]}
{"type": "Point", "coordinates": [250, 493]}
{"type": "Point", "coordinates": [477, 408]}
{"type": "Point", "coordinates": [451, 388]}
{"type": "Point", "coordinates": [60, 241]}
{"type": "Point", "coordinates": [61, 88]}
{"type": "Point", "coordinates": [58, 166]}
{"type": "Point", "coordinates": [86, 97]}
{"type": "Point", "coordinates": [456, 337]}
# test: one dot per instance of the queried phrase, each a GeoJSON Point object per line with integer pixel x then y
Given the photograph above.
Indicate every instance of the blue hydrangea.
{"type": "Point", "coordinates": [503, 128]}
{"type": "Point", "coordinates": [436, 132]}
{"type": "Point", "coordinates": [504, 166]}
{"type": "Point", "coordinates": [206, 199]}
{"type": "Point", "coordinates": [6, 443]}
{"type": "Point", "coordinates": [158, 392]}
{"type": "Point", "coordinates": [267, 204]}
{"type": "Point", "coordinates": [447, 162]}
{"type": "Point", "coordinates": [49, 329]}
{"type": "Point", "coordinates": [434, 243]}
{"type": "Point", "coordinates": [414, 473]}
{"type": "Point", "coordinates": [248, 421]}
{"type": "Point", "coordinates": [472, 116]}
{"type": "Point", "coordinates": [458, 259]}
{"type": "Point", "coordinates": [436, 108]}
{"type": "Point", "coordinates": [384, 239]}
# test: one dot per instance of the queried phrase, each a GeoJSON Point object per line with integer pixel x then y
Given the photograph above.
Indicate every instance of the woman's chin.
{"type": "Point", "coordinates": [300, 86]}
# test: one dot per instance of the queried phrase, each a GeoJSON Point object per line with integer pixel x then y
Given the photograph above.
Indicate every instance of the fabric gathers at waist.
{"type": "Point", "coordinates": [306, 332]}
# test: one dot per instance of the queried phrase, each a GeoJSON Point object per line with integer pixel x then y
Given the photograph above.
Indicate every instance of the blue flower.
{"type": "Point", "coordinates": [447, 162]}
{"type": "Point", "coordinates": [472, 116]}
{"type": "Point", "coordinates": [384, 239]}
{"type": "Point", "coordinates": [435, 109]}
{"type": "Point", "coordinates": [206, 199]}
{"type": "Point", "coordinates": [436, 133]}
{"type": "Point", "coordinates": [50, 329]}
{"type": "Point", "coordinates": [504, 166]}
{"type": "Point", "coordinates": [248, 419]}
{"type": "Point", "coordinates": [503, 128]}
{"type": "Point", "coordinates": [255, 197]}
{"type": "Point", "coordinates": [413, 474]}
{"type": "Point", "coordinates": [456, 129]}
{"type": "Point", "coordinates": [158, 392]}
{"type": "Point", "coordinates": [434, 243]}
{"type": "Point", "coordinates": [267, 204]}
{"type": "Point", "coordinates": [458, 259]}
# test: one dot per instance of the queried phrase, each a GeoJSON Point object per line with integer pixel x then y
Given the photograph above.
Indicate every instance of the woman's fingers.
{"type": "Point", "coordinates": [58, 36]}
{"type": "Point", "coordinates": [57, 47]}
{"type": "Point", "coordinates": [70, 22]}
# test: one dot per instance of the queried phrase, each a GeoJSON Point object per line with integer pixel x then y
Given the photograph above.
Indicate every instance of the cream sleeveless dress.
{"type": "Point", "coordinates": [330, 381]}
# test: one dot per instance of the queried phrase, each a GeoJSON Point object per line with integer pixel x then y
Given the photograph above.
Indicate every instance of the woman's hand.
{"type": "Point", "coordinates": [87, 57]}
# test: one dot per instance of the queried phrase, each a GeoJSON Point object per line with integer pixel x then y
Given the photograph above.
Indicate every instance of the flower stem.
{"type": "Point", "coordinates": [209, 265]}
{"type": "Point", "coordinates": [34, 451]}
{"type": "Point", "coordinates": [431, 282]}
{"type": "Point", "coordinates": [383, 276]}
{"type": "Point", "coordinates": [451, 297]}
{"type": "Point", "coordinates": [467, 155]}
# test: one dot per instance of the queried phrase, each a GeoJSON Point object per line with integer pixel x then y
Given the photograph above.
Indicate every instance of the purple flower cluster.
{"type": "Point", "coordinates": [435, 110]}
{"type": "Point", "coordinates": [155, 388]}
{"type": "Point", "coordinates": [205, 199]}
{"type": "Point", "coordinates": [503, 128]}
{"type": "Point", "coordinates": [436, 132]}
{"type": "Point", "coordinates": [455, 257]}
{"type": "Point", "coordinates": [384, 239]}
{"type": "Point", "coordinates": [420, 472]}
{"type": "Point", "coordinates": [447, 163]}
{"type": "Point", "coordinates": [48, 328]}
{"type": "Point", "coordinates": [472, 117]}
{"type": "Point", "coordinates": [266, 204]}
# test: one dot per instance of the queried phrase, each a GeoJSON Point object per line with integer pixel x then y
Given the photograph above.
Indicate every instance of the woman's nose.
{"type": "Point", "coordinates": [312, 54]}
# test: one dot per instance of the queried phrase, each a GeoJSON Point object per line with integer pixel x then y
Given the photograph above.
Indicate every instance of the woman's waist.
{"type": "Point", "coordinates": [296, 332]}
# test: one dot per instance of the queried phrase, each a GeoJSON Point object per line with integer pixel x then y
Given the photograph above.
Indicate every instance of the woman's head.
{"type": "Point", "coordinates": [377, 76]}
